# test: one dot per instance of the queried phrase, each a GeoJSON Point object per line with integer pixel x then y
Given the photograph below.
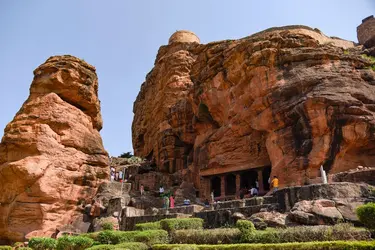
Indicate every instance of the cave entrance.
{"type": "Point", "coordinates": [248, 179]}
{"type": "Point", "coordinates": [216, 186]}
{"type": "Point", "coordinates": [230, 184]}
{"type": "Point", "coordinates": [266, 172]}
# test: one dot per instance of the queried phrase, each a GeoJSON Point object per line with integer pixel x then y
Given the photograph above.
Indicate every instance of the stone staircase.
{"type": "Point", "coordinates": [217, 215]}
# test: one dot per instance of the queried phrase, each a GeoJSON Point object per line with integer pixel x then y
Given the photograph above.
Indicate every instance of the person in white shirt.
{"type": "Point", "coordinates": [161, 190]}
{"type": "Point", "coordinates": [253, 191]}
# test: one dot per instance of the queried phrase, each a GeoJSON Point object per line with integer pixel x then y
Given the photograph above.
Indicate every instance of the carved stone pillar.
{"type": "Point", "coordinates": [222, 186]}
{"type": "Point", "coordinates": [238, 184]}
{"type": "Point", "coordinates": [260, 181]}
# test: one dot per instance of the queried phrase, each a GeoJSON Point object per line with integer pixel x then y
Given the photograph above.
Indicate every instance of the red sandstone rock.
{"type": "Point", "coordinates": [51, 155]}
{"type": "Point", "coordinates": [288, 97]}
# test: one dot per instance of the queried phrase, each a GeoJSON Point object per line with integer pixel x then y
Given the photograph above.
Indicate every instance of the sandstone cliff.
{"type": "Point", "coordinates": [51, 155]}
{"type": "Point", "coordinates": [288, 97]}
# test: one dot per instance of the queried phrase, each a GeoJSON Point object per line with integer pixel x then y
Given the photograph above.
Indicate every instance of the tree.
{"type": "Point", "coordinates": [126, 155]}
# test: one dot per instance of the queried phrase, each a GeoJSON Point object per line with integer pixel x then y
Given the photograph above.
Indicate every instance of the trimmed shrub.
{"type": "Point", "coordinates": [74, 243]}
{"type": "Point", "coordinates": [6, 248]}
{"type": "Point", "coordinates": [128, 245]}
{"type": "Point", "coordinates": [307, 233]}
{"type": "Point", "coordinates": [366, 215]}
{"type": "Point", "coordinates": [107, 226]}
{"type": "Point", "coordinates": [247, 230]}
{"type": "Point", "coordinates": [210, 236]}
{"type": "Point", "coordinates": [93, 235]}
{"type": "Point", "coordinates": [182, 223]}
{"type": "Point", "coordinates": [42, 243]}
{"type": "Point", "coordinates": [331, 245]}
{"type": "Point", "coordinates": [148, 226]}
{"type": "Point", "coordinates": [24, 248]}
{"type": "Point", "coordinates": [149, 237]}
{"type": "Point", "coordinates": [245, 226]}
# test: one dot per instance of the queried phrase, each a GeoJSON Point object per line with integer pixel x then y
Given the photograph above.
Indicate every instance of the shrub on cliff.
{"type": "Point", "coordinates": [42, 243]}
{"type": "Point", "coordinates": [366, 215]}
{"type": "Point", "coordinates": [209, 236]}
{"type": "Point", "coordinates": [148, 237]}
{"type": "Point", "coordinates": [148, 226]}
{"type": "Point", "coordinates": [183, 223]}
{"type": "Point", "coordinates": [74, 243]}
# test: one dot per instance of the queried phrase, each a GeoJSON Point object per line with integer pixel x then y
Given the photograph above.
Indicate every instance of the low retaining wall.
{"type": "Point", "coordinates": [287, 197]}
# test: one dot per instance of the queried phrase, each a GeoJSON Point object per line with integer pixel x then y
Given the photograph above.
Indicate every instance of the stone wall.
{"type": "Point", "coordinates": [366, 32]}
{"type": "Point", "coordinates": [287, 197]}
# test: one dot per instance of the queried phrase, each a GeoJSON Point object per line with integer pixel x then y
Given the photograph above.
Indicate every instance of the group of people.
{"type": "Point", "coordinates": [116, 175]}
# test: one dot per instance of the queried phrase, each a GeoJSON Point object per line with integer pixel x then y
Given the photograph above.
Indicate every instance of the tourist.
{"type": "Point", "coordinates": [112, 176]}
{"type": "Point", "coordinates": [275, 183]}
{"type": "Point", "coordinates": [206, 203]}
{"type": "Point", "coordinates": [166, 202]}
{"type": "Point", "coordinates": [171, 202]}
{"type": "Point", "coordinates": [253, 191]}
{"type": "Point", "coordinates": [186, 202]}
{"type": "Point", "coordinates": [142, 189]}
{"type": "Point", "coordinates": [212, 197]}
{"type": "Point", "coordinates": [161, 190]}
{"type": "Point", "coordinates": [120, 176]}
{"type": "Point", "coordinates": [116, 176]}
{"type": "Point", "coordinates": [256, 184]}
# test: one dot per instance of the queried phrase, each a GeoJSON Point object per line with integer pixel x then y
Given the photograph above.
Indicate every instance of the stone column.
{"type": "Point", "coordinates": [222, 186]}
{"type": "Point", "coordinates": [238, 184]}
{"type": "Point", "coordinates": [260, 181]}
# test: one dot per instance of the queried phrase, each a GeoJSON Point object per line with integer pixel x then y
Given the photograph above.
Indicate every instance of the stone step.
{"type": "Point", "coordinates": [189, 209]}
{"type": "Point", "coordinates": [223, 216]}
{"type": "Point", "coordinates": [245, 202]}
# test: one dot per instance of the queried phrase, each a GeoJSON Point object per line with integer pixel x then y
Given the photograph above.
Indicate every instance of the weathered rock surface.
{"type": "Point", "coordinates": [289, 97]}
{"type": "Point", "coordinates": [272, 219]}
{"type": "Point", "coordinates": [51, 155]}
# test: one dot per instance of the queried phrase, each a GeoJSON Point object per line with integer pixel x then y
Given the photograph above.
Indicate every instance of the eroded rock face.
{"type": "Point", "coordinates": [51, 155]}
{"type": "Point", "coordinates": [288, 97]}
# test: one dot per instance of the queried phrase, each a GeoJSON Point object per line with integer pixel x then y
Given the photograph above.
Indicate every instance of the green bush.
{"type": "Point", "coordinates": [210, 236]}
{"type": "Point", "coordinates": [93, 235]}
{"type": "Point", "coordinates": [366, 215]}
{"type": "Point", "coordinates": [107, 226]}
{"type": "Point", "coordinates": [149, 236]}
{"type": "Point", "coordinates": [331, 245]}
{"type": "Point", "coordinates": [42, 243]}
{"type": "Point", "coordinates": [128, 245]}
{"type": "Point", "coordinates": [182, 223]}
{"type": "Point", "coordinates": [74, 243]}
{"type": "Point", "coordinates": [307, 234]}
{"type": "Point", "coordinates": [245, 226]}
{"type": "Point", "coordinates": [6, 248]}
{"type": "Point", "coordinates": [148, 226]}
{"type": "Point", "coordinates": [24, 248]}
{"type": "Point", "coordinates": [247, 230]}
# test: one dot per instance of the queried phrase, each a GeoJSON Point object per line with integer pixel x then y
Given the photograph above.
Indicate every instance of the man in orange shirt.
{"type": "Point", "coordinates": [275, 183]}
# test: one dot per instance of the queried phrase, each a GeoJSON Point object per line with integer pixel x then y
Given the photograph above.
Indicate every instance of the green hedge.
{"type": "Point", "coordinates": [128, 245]}
{"type": "Point", "coordinates": [148, 226]}
{"type": "Point", "coordinates": [182, 223]}
{"type": "Point", "coordinates": [6, 248]}
{"type": "Point", "coordinates": [42, 243]}
{"type": "Point", "coordinates": [24, 248]}
{"type": "Point", "coordinates": [307, 233]}
{"type": "Point", "coordinates": [149, 237]}
{"type": "Point", "coordinates": [209, 236]}
{"type": "Point", "coordinates": [74, 243]}
{"type": "Point", "coordinates": [366, 215]}
{"type": "Point", "coordinates": [327, 245]}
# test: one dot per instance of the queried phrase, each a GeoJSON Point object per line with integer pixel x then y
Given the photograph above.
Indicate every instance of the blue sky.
{"type": "Point", "coordinates": [121, 38]}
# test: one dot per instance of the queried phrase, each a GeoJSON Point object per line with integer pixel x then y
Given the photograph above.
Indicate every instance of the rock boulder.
{"type": "Point", "coordinates": [51, 155]}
